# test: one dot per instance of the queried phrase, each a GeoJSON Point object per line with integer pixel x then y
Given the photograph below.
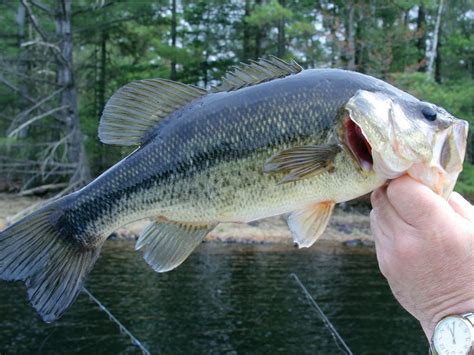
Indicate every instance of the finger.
{"type": "Point", "coordinates": [415, 203]}
{"type": "Point", "coordinates": [461, 206]}
{"type": "Point", "coordinates": [382, 243]}
{"type": "Point", "coordinates": [385, 213]}
{"type": "Point", "coordinates": [378, 233]}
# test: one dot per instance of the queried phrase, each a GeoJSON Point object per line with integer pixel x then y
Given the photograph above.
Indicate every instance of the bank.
{"type": "Point", "coordinates": [349, 225]}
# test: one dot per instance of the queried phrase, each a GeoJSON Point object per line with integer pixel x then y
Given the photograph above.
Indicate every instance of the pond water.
{"type": "Point", "coordinates": [225, 299]}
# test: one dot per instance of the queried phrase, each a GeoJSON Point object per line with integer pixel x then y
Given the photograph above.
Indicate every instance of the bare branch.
{"type": "Point", "coordinates": [41, 43]}
{"type": "Point", "coordinates": [42, 7]}
{"type": "Point", "coordinates": [39, 103]}
{"type": "Point", "coordinates": [93, 7]}
{"type": "Point", "coordinates": [43, 188]}
{"type": "Point", "coordinates": [15, 89]}
{"type": "Point", "coordinates": [34, 21]}
{"type": "Point", "coordinates": [36, 118]}
{"type": "Point", "coordinates": [5, 69]}
{"type": "Point", "coordinates": [39, 29]}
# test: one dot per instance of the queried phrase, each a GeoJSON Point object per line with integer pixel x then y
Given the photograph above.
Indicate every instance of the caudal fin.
{"type": "Point", "coordinates": [52, 267]}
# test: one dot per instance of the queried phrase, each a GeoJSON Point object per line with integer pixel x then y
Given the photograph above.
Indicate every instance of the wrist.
{"type": "Point", "coordinates": [459, 308]}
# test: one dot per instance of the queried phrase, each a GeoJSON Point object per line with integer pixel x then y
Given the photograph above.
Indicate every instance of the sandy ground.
{"type": "Point", "coordinates": [348, 227]}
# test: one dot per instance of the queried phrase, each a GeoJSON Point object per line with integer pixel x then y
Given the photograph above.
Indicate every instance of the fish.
{"type": "Point", "coordinates": [272, 139]}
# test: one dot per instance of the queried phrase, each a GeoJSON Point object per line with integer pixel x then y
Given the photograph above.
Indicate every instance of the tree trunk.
{"type": "Point", "coordinates": [421, 41]}
{"type": "Point", "coordinates": [334, 49]}
{"type": "Point", "coordinates": [351, 38]}
{"type": "Point", "coordinates": [22, 69]}
{"type": "Point", "coordinates": [173, 75]}
{"type": "Point", "coordinates": [438, 60]}
{"type": "Point", "coordinates": [246, 36]}
{"type": "Point", "coordinates": [281, 34]}
{"type": "Point", "coordinates": [65, 78]}
{"type": "Point", "coordinates": [434, 47]}
{"type": "Point", "coordinates": [258, 36]}
{"type": "Point", "coordinates": [359, 48]}
{"type": "Point", "coordinates": [101, 93]}
{"type": "Point", "coordinates": [102, 71]}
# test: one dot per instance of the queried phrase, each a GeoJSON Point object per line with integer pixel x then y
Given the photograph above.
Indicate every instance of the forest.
{"type": "Point", "coordinates": [61, 60]}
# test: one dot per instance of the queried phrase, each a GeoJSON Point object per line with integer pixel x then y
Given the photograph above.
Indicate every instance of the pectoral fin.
{"type": "Point", "coordinates": [302, 162]}
{"type": "Point", "coordinates": [308, 224]}
{"type": "Point", "coordinates": [167, 244]}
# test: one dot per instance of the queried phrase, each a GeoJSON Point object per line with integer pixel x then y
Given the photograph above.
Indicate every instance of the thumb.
{"type": "Point", "coordinates": [415, 203]}
{"type": "Point", "coordinates": [461, 206]}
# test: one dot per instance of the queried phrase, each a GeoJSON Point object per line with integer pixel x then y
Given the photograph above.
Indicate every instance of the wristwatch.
{"type": "Point", "coordinates": [454, 335]}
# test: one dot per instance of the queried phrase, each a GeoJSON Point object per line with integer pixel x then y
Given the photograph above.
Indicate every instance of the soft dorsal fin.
{"type": "Point", "coordinates": [257, 72]}
{"type": "Point", "coordinates": [138, 106]}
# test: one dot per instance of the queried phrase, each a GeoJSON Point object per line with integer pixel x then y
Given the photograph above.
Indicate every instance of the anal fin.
{"type": "Point", "coordinates": [167, 244]}
{"type": "Point", "coordinates": [308, 224]}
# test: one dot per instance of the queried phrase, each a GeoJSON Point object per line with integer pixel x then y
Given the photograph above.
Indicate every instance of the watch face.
{"type": "Point", "coordinates": [453, 336]}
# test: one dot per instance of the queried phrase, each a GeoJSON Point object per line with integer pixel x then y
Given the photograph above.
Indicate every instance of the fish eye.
{"type": "Point", "coordinates": [429, 113]}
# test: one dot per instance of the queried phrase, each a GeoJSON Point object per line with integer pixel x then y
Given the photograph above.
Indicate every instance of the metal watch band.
{"type": "Point", "coordinates": [469, 317]}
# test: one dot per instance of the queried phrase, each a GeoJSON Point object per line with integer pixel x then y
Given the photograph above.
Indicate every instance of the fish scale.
{"type": "Point", "coordinates": [271, 140]}
{"type": "Point", "coordinates": [203, 147]}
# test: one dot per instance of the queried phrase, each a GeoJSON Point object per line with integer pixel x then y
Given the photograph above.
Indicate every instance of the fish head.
{"type": "Point", "coordinates": [395, 134]}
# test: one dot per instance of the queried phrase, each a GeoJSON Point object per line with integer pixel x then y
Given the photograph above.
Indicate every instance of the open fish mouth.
{"type": "Point", "coordinates": [358, 144]}
{"type": "Point", "coordinates": [449, 149]}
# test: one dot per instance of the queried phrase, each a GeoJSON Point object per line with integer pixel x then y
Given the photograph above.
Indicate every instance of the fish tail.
{"type": "Point", "coordinates": [38, 251]}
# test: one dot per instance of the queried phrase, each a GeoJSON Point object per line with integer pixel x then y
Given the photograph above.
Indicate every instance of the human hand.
{"type": "Point", "coordinates": [425, 249]}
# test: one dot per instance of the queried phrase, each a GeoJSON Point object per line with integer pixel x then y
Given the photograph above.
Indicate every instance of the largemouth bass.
{"type": "Point", "coordinates": [272, 139]}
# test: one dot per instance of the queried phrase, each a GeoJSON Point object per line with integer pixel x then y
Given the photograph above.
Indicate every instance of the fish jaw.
{"type": "Point", "coordinates": [368, 133]}
{"type": "Point", "coordinates": [441, 172]}
{"type": "Point", "coordinates": [389, 136]}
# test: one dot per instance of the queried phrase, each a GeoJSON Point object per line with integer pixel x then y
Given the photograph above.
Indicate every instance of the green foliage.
{"type": "Point", "coordinates": [465, 184]}
{"type": "Point", "coordinates": [456, 96]}
{"type": "Point", "coordinates": [268, 14]}
{"type": "Point", "coordinates": [117, 41]}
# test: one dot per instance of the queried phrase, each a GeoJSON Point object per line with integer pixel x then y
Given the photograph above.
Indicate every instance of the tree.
{"type": "Point", "coordinates": [46, 68]}
{"type": "Point", "coordinates": [173, 75]}
{"type": "Point", "coordinates": [421, 41]}
{"type": "Point", "coordinates": [434, 46]}
{"type": "Point", "coordinates": [62, 151]}
{"type": "Point", "coordinates": [68, 99]}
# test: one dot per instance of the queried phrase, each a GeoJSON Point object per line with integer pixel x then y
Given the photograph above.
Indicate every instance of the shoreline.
{"type": "Point", "coordinates": [348, 227]}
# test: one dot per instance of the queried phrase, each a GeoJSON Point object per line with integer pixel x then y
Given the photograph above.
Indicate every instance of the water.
{"type": "Point", "coordinates": [226, 299]}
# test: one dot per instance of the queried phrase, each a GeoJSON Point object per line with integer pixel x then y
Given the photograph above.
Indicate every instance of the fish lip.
{"type": "Point", "coordinates": [358, 144]}
{"type": "Point", "coordinates": [440, 173]}
{"type": "Point", "coordinates": [461, 132]}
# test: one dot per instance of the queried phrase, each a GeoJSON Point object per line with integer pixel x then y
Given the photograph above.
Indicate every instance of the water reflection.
{"type": "Point", "coordinates": [224, 299]}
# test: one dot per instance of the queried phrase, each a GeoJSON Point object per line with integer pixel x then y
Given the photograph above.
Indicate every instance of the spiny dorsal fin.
{"type": "Point", "coordinates": [257, 72]}
{"type": "Point", "coordinates": [138, 106]}
{"type": "Point", "coordinates": [167, 244]}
